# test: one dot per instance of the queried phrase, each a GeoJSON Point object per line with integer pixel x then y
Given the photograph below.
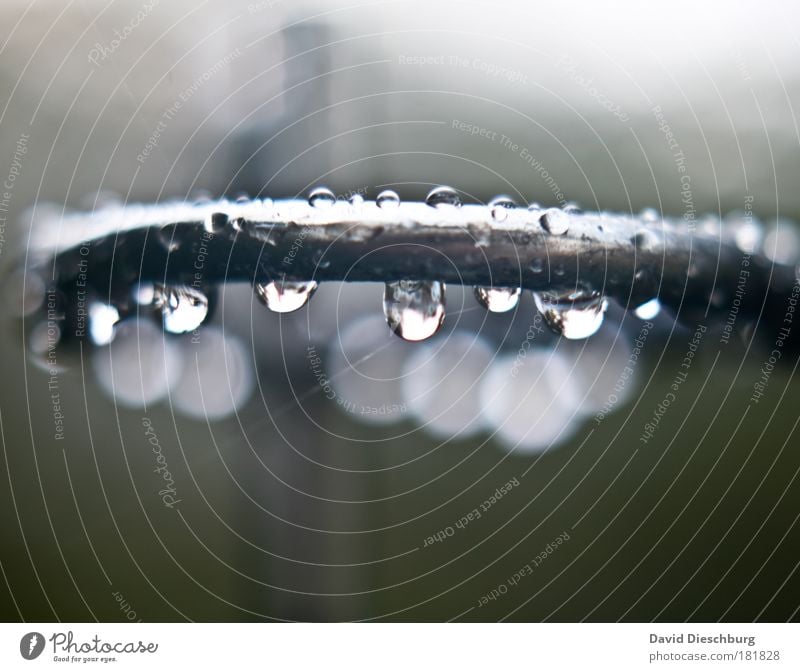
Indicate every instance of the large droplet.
{"type": "Point", "coordinates": [183, 308]}
{"type": "Point", "coordinates": [648, 310]}
{"type": "Point", "coordinates": [573, 314]}
{"type": "Point", "coordinates": [555, 221]}
{"type": "Point", "coordinates": [387, 199]}
{"type": "Point", "coordinates": [500, 206]}
{"type": "Point", "coordinates": [498, 299]}
{"type": "Point", "coordinates": [414, 309]}
{"type": "Point", "coordinates": [285, 296]}
{"type": "Point", "coordinates": [321, 197]}
{"type": "Point", "coordinates": [443, 196]}
{"type": "Point", "coordinates": [102, 320]}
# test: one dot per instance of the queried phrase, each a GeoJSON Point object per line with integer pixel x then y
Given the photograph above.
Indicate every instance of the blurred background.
{"type": "Point", "coordinates": [312, 466]}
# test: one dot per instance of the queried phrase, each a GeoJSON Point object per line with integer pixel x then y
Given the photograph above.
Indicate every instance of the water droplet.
{"type": "Point", "coordinates": [537, 265]}
{"type": "Point", "coordinates": [572, 208]}
{"type": "Point", "coordinates": [143, 293]}
{"type": "Point", "coordinates": [555, 221]}
{"type": "Point", "coordinates": [414, 309]}
{"type": "Point", "coordinates": [498, 299]}
{"type": "Point", "coordinates": [443, 196]}
{"type": "Point", "coordinates": [102, 319]}
{"type": "Point", "coordinates": [242, 197]}
{"type": "Point", "coordinates": [285, 296]}
{"type": "Point", "coordinates": [216, 222]}
{"type": "Point", "coordinates": [646, 240]}
{"type": "Point", "coordinates": [534, 206]}
{"type": "Point", "coordinates": [388, 199]}
{"type": "Point", "coordinates": [182, 308]}
{"type": "Point", "coordinates": [574, 314]}
{"type": "Point", "coordinates": [321, 197]}
{"type": "Point", "coordinates": [648, 310]}
{"type": "Point", "coordinates": [168, 236]}
{"type": "Point", "coordinates": [500, 206]}
{"type": "Point", "coordinates": [650, 216]}
{"type": "Point", "coordinates": [356, 200]}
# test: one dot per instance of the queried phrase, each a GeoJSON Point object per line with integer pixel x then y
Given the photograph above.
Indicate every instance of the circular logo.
{"type": "Point", "coordinates": [31, 645]}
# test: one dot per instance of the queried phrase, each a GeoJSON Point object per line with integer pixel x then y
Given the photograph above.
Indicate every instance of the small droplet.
{"type": "Point", "coordinates": [500, 206]}
{"type": "Point", "coordinates": [356, 200]}
{"type": "Point", "coordinates": [534, 206]}
{"type": "Point", "coordinates": [216, 222]}
{"type": "Point", "coordinates": [782, 243]}
{"type": "Point", "coordinates": [285, 296]}
{"type": "Point", "coordinates": [575, 314]}
{"type": "Point", "coordinates": [443, 196]}
{"type": "Point", "coordinates": [537, 265]}
{"type": "Point", "coordinates": [572, 208]}
{"type": "Point", "coordinates": [321, 197]}
{"type": "Point", "coordinates": [387, 199]}
{"type": "Point", "coordinates": [498, 299]}
{"type": "Point", "coordinates": [648, 310]}
{"type": "Point", "coordinates": [650, 216]}
{"type": "Point", "coordinates": [647, 240]}
{"type": "Point", "coordinates": [102, 319]}
{"type": "Point", "coordinates": [555, 221]}
{"type": "Point", "coordinates": [143, 293]}
{"type": "Point", "coordinates": [182, 308]}
{"type": "Point", "coordinates": [414, 310]}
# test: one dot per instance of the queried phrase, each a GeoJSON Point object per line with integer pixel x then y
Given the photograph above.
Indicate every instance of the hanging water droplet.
{"type": "Point", "coordinates": [537, 265]}
{"type": "Point", "coordinates": [443, 196]}
{"type": "Point", "coordinates": [500, 206]}
{"type": "Point", "coordinates": [414, 310]}
{"type": "Point", "coordinates": [648, 310]}
{"type": "Point", "coordinates": [216, 222]}
{"type": "Point", "coordinates": [574, 314]}
{"type": "Point", "coordinates": [285, 296]}
{"type": "Point", "coordinates": [182, 308]}
{"type": "Point", "coordinates": [168, 237]}
{"type": "Point", "coordinates": [388, 199]}
{"type": "Point", "coordinates": [102, 319]}
{"type": "Point", "coordinates": [498, 299]}
{"type": "Point", "coordinates": [555, 221]}
{"type": "Point", "coordinates": [321, 197]}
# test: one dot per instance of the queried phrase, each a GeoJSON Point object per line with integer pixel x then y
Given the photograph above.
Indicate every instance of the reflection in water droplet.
{"type": "Point", "coordinates": [414, 309]}
{"type": "Point", "coordinates": [648, 310]}
{"type": "Point", "coordinates": [321, 197]}
{"type": "Point", "coordinates": [443, 196]}
{"type": "Point", "coordinates": [572, 314]}
{"type": "Point", "coordinates": [498, 299]}
{"type": "Point", "coordinates": [182, 308]}
{"type": "Point", "coordinates": [285, 296]}
{"type": "Point", "coordinates": [102, 319]}
{"type": "Point", "coordinates": [388, 199]}
{"type": "Point", "coordinates": [555, 221]}
{"type": "Point", "coordinates": [500, 206]}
